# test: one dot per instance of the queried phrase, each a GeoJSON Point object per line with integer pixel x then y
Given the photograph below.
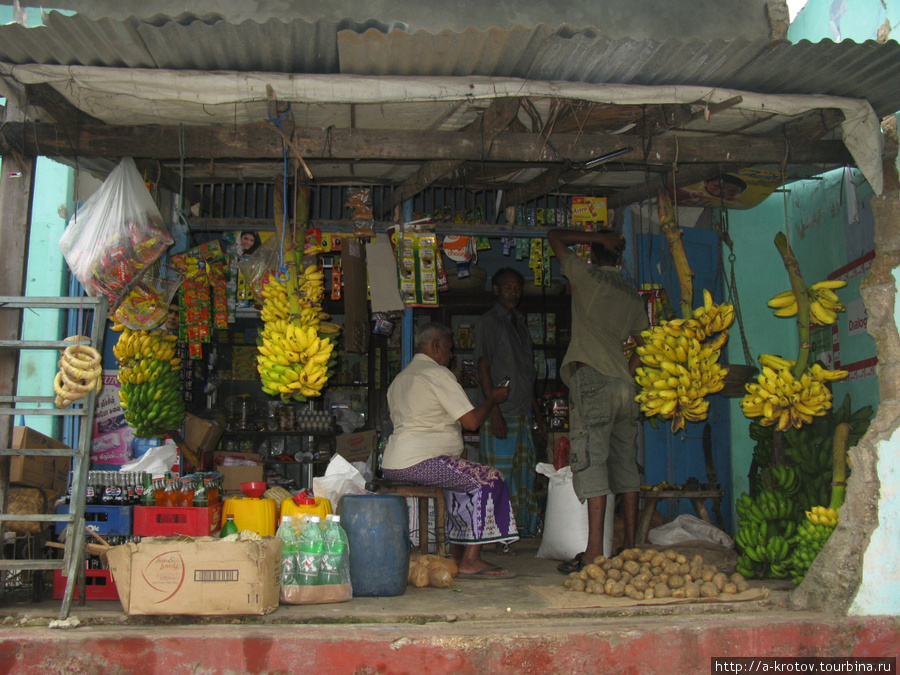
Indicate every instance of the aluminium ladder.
{"type": "Point", "coordinates": [73, 557]}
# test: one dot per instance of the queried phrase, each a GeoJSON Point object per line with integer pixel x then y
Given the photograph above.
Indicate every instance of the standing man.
{"type": "Point", "coordinates": [503, 350]}
{"type": "Point", "coordinates": [603, 414]}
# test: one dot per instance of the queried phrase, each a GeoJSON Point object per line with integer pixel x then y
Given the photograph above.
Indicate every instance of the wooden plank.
{"type": "Point", "coordinates": [16, 189]}
{"type": "Point", "coordinates": [259, 141]}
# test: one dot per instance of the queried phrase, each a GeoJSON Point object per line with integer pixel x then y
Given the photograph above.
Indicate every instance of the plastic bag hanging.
{"type": "Point", "coordinates": [119, 232]}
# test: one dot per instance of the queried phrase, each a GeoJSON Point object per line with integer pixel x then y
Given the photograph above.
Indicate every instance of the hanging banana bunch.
{"type": "Point", "coordinates": [294, 361]}
{"type": "Point", "coordinates": [824, 303]}
{"type": "Point", "coordinates": [782, 399]}
{"type": "Point", "coordinates": [150, 393]}
{"type": "Point", "coordinates": [79, 373]}
{"type": "Point", "coordinates": [680, 364]}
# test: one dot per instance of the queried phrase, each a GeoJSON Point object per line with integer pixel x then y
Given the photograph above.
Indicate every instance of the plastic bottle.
{"type": "Point", "coordinates": [311, 547]}
{"type": "Point", "coordinates": [289, 552]}
{"type": "Point", "coordinates": [335, 544]}
{"type": "Point", "coordinates": [229, 527]}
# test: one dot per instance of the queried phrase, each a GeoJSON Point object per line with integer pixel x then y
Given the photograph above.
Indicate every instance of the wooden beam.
{"type": "Point", "coordinates": [46, 97]}
{"type": "Point", "coordinates": [495, 119]}
{"type": "Point", "coordinates": [256, 141]}
{"type": "Point", "coordinates": [16, 190]}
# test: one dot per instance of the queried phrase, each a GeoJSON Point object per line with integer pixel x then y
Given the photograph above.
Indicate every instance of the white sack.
{"type": "Point", "coordinates": [566, 519]}
{"type": "Point", "coordinates": [341, 478]}
{"type": "Point", "coordinates": [688, 528]}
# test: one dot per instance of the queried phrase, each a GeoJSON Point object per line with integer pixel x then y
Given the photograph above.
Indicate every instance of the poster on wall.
{"type": "Point", "coordinates": [741, 189]}
{"type": "Point", "coordinates": [111, 440]}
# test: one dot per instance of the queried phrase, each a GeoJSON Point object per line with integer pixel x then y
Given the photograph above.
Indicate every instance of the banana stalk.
{"type": "Point", "coordinates": [802, 295]}
{"type": "Point", "coordinates": [669, 225]}
{"type": "Point", "coordinates": [290, 261]}
{"type": "Point", "coordinates": [839, 467]}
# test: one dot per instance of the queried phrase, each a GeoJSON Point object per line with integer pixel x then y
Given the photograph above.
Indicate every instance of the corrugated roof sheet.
{"type": "Point", "coordinates": [189, 42]}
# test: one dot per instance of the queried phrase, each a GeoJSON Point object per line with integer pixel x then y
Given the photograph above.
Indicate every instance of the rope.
{"type": "Point", "coordinates": [731, 286]}
{"type": "Point", "coordinates": [282, 268]}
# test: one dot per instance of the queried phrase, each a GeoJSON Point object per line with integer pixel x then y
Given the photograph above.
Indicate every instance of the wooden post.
{"type": "Point", "coordinates": [16, 188]}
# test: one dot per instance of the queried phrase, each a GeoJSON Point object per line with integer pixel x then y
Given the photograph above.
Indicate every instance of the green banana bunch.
{"type": "Point", "coordinates": [153, 407]}
{"type": "Point", "coordinates": [680, 368]}
{"type": "Point", "coordinates": [824, 303]}
{"type": "Point", "coordinates": [808, 542]}
{"type": "Point", "coordinates": [785, 477]}
{"type": "Point", "coordinates": [150, 391]}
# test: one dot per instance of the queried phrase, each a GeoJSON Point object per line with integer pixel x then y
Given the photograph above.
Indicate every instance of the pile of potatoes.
{"type": "Point", "coordinates": [431, 570]}
{"type": "Point", "coordinates": [644, 574]}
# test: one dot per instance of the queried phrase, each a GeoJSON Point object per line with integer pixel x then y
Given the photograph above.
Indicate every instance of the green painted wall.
{"type": "Point", "coordinates": [856, 20]}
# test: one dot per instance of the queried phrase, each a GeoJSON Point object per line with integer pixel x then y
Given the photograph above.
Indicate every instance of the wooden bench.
{"type": "Point", "coordinates": [421, 493]}
{"type": "Point", "coordinates": [651, 498]}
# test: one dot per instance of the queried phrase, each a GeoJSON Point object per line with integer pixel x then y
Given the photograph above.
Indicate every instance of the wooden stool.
{"type": "Point", "coordinates": [651, 498]}
{"type": "Point", "coordinates": [421, 493]}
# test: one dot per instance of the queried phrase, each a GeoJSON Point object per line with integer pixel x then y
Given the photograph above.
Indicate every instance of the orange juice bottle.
{"type": "Point", "coordinates": [185, 494]}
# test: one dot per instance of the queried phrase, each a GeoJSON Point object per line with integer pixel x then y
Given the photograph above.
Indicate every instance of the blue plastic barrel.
{"type": "Point", "coordinates": [377, 528]}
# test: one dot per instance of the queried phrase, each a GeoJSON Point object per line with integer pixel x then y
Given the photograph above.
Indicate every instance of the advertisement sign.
{"type": "Point", "coordinates": [742, 189]}
{"type": "Point", "coordinates": [111, 441]}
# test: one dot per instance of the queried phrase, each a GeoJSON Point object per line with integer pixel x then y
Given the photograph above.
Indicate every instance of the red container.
{"type": "Point", "coordinates": [169, 521]}
{"type": "Point", "coordinates": [98, 585]}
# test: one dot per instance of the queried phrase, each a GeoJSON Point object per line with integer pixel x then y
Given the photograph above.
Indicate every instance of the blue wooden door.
{"type": "Point", "coordinates": [677, 457]}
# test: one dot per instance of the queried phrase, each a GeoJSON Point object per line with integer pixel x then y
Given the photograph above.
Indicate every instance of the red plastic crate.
{"type": "Point", "coordinates": [169, 521]}
{"type": "Point", "coordinates": [98, 585]}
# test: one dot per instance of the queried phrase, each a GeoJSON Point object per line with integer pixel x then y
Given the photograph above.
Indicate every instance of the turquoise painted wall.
{"type": "Point", "coordinates": [856, 20]}
{"type": "Point", "coordinates": [46, 275]}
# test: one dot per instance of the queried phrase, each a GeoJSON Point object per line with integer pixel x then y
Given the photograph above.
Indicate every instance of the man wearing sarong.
{"type": "Point", "coordinates": [504, 350]}
{"type": "Point", "coordinates": [429, 409]}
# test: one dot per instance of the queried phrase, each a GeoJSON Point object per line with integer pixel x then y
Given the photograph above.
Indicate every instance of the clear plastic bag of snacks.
{"type": "Point", "coordinates": [146, 305]}
{"type": "Point", "coordinates": [116, 235]}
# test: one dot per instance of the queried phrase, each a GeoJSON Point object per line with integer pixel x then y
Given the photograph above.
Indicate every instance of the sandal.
{"type": "Point", "coordinates": [573, 565]}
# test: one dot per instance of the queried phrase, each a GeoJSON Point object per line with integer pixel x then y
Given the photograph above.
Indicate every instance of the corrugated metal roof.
{"type": "Point", "coordinates": [189, 42]}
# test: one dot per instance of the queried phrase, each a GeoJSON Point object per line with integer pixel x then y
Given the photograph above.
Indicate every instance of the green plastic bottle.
{"type": "Point", "coordinates": [229, 527]}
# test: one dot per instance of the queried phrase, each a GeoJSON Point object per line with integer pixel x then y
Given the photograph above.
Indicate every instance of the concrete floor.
{"type": "Point", "coordinates": [475, 627]}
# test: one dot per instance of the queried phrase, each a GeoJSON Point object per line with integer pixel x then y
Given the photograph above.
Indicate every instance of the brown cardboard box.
{"type": "Point", "coordinates": [203, 577]}
{"type": "Point", "coordinates": [201, 435]}
{"type": "Point", "coordinates": [50, 473]}
{"type": "Point", "coordinates": [233, 476]}
{"type": "Point", "coordinates": [356, 447]}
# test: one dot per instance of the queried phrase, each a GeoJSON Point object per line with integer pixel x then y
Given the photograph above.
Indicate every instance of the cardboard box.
{"type": "Point", "coordinates": [233, 476]}
{"type": "Point", "coordinates": [201, 577]}
{"type": "Point", "coordinates": [201, 435]}
{"type": "Point", "coordinates": [50, 473]}
{"type": "Point", "coordinates": [356, 447]}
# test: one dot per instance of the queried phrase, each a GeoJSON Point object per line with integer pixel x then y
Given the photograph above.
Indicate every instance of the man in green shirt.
{"type": "Point", "coordinates": [603, 414]}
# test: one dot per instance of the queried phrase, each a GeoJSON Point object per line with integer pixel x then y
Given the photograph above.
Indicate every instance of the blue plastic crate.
{"type": "Point", "coordinates": [112, 520]}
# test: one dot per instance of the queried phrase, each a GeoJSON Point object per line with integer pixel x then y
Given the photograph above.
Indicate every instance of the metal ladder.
{"type": "Point", "coordinates": [73, 557]}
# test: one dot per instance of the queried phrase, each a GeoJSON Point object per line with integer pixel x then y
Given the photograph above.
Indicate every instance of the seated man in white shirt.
{"type": "Point", "coordinates": [429, 410]}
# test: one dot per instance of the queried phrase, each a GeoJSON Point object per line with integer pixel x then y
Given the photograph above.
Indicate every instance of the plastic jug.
{"type": "Point", "coordinates": [301, 505]}
{"type": "Point", "coordinates": [256, 515]}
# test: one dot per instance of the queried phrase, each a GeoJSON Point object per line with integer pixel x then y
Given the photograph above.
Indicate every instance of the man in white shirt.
{"type": "Point", "coordinates": [429, 409]}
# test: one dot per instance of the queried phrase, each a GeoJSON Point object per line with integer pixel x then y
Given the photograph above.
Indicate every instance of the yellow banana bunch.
{"type": "Point", "coordinates": [293, 360]}
{"type": "Point", "coordinates": [824, 304]}
{"type": "Point", "coordinates": [819, 515]}
{"type": "Point", "coordinates": [312, 284]}
{"type": "Point", "coordinates": [680, 368]}
{"type": "Point", "coordinates": [134, 345]}
{"type": "Point", "coordinates": [781, 399]}
{"type": "Point", "coordinates": [275, 301]}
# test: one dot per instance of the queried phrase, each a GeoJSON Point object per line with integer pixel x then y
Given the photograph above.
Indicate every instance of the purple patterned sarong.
{"type": "Point", "coordinates": [478, 506]}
